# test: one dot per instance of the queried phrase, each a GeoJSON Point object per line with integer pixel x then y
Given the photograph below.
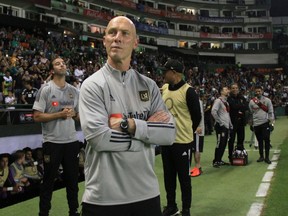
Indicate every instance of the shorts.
{"type": "Point", "coordinates": [198, 143]}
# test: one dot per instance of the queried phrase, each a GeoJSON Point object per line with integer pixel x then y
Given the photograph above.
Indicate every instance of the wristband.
{"type": "Point", "coordinates": [9, 188]}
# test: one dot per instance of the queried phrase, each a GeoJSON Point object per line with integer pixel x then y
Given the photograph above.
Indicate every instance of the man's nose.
{"type": "Point", "coordinates": [118, 36]}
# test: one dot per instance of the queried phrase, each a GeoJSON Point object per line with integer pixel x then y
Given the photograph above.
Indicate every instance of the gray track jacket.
{"type": "Point", "coordinates": [259, 115]}
{"type": "Point", "coordinates": [118, 167]}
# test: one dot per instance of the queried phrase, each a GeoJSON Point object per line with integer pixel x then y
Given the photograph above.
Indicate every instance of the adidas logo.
{"type": "Point", "coordinates": [111, 98]}
{"type": "Point", "coordinates": [53, 96]}
{"type": "Point", "coordinates": [184, 154]}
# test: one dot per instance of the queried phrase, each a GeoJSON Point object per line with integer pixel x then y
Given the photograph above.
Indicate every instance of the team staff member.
{"type": "Point", "coordinates": [56, 107]}
{"type": "Point", "coordinates": [183, 102]}
{"type": "Point", "coordinates": [262, 115]}
{"type": "Point", "coordinates": [238, 106]}
{"type": "Point", "coordinates": [220, 112]}
{"type": "Point", "coordinates": [122, 114]}
{"type": "Point", "coordinates": [198, 144]}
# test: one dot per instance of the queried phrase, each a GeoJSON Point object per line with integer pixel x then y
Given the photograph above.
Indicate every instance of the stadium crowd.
{"type": "Point", "coordinates": [22, 172]}
{"type": "Point", "coordinates": [24, 58]}
{"type": "Point", "coordinates": [25, 66]}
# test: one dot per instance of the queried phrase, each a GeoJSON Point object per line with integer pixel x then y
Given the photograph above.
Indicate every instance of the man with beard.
{"type": "Point", "coordinates": [262, 120]}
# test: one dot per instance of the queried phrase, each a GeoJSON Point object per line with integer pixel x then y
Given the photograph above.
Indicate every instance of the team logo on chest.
{"type": "Point", "coordinates": [144, 95]}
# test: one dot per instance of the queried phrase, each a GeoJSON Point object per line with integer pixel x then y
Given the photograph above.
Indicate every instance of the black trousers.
{"type": "Point", "coordinates": [239, 130]}
{"type": "Point", "coordinates": [54, 155]}
{"type": "Point", "coordinates": [150, 207]}
{"type": "Point", "coordinates": [262, 133]}
{"type": "Point", "coordinates": [222, 138]}
{"type": "Point", "coordinates": [176, 161]}
{"type": "Point", "coordinates": [208, 123]}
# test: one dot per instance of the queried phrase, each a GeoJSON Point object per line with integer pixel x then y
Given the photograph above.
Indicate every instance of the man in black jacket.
{"type": "Point", "coordinates": [238, 106]}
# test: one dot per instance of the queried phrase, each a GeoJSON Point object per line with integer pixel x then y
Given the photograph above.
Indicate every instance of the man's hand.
{"type": "Point", "coordinates": [198, 130]}
{"type": "Point", "coordinates": [160, 116]}
{"type": "Point", "coordinates": [115, 120]}
{"type": "Point", "coordinates": [17, 188]}
{"type": "Point", "coordinates": [68, 113]}
{"type": "Point", "coordinates": [114, 123]}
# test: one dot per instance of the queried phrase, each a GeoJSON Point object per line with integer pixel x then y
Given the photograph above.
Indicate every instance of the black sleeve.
{"type": "Point", "coordinates": [193, 104]}
{"type": "Point", "coordinates": [245, 104]}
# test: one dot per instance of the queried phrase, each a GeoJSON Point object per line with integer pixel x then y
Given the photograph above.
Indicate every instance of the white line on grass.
{"type": "Point", "coordinates": [275, 157]}
{"type": "Point", "coordinates": [255, 209]}
{"type": "Point", "coordinates": [268, 176]}
{"type": "Point", "coordinates": [272, 166]}
{"type": "Point", "coordinates": [263, 189]}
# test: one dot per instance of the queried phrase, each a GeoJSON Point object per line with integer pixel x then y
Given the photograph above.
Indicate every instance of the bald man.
{"type": "Point", "coordinates": [122, 116]}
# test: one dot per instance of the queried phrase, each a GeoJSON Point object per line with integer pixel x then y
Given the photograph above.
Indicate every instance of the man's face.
{"type": "Point", "coordinates": [28, 155]}
{"type": "Point", "coordinates": [234, 89]}
{"type": "Point", "coordinates": [258, 92]}
{"type": "Point", "coordinates": [59, 67]}
{"type": "Point", "coordinates": [168, 76]}
{"type": "Point", "coordinates": [120, 39]}
{"type": "Point", "coordinates": [4, 162]}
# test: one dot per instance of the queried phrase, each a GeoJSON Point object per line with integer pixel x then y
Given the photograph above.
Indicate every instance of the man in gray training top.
{"type": "Point", "coordinates": [262, 120]}
{"type": "Point", "coordinates": [122, 116]}
{"type": "Point", "coordinates": [56, 107]}
{"type": "Point", "coordinates": [220, 112]}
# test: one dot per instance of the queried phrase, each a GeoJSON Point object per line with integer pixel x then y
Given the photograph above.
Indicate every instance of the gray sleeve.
{"type": "Point", "coordinates": [94, 120]}
{"type": "Point", "coordinates": [156, 132]}
{"type": "Point", "coordinates": [41, 100]}
{"type": "Point", "coordinates": [215, 108]}
{"type": "Point", "coordinates": [201, 124]}
{"type": "Point", "coordinates": [77, 101]}
{"type": "Point", "coordinates": [148, 132]}
{"type": "Point", "coordinates": [270, 111]}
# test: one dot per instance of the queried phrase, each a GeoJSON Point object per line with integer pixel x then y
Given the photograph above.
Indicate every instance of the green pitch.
{"type": "Point", "coordinates": [227, 191]}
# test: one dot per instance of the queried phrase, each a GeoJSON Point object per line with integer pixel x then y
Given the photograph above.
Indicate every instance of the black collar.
{"type": "Point", "coordinates": [176, 86]}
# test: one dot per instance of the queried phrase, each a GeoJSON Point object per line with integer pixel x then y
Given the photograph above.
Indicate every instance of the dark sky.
{"type": "Point", "coordinates": [279, 8]}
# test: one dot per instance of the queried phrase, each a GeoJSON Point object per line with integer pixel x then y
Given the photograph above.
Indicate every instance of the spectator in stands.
{"type": "Point", "coordinates": [38, 155]}
{"type": "Point", "coordinates": [79, 73]}
{"type": "Point", "coordinates": [7, 183]}
{"type": "Point", "coordinates": [56, 107]}
{"type": "Point", "coordinates": [10, 100]}
{"type": "Point", "coordinates": [18, 84]}
{"type": "Point", "coordinates": [29, 94]}
{"type": "Point", "coordinates": [17, 169]}
{"type": "Point", "coordinates": [26, 76]}
{"type": "Point", "coordinates": [7, 83]}
{"type": "Point", "coordinates": [122, 115]}
{"type": "Point", "coordinates": [77, 83]}
{"type": "Point", "coordinates": [30, 166]}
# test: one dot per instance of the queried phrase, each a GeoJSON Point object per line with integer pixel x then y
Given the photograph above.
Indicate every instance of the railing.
{"type": "Point", "coordinates": [16, 114]}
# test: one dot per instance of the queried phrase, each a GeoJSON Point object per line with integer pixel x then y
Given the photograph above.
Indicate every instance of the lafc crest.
{"type": "Point", "coordinates": [144, 95]}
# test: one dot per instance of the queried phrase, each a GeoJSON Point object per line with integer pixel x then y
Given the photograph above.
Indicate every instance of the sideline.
{"type": "Point", "coordinates": [257, 207]}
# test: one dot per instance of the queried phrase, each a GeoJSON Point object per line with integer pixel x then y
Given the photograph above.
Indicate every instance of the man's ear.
{"type": "Point", "coordinates": [104, 41]}
{"type": "Point", "coordinates": [136, 42]}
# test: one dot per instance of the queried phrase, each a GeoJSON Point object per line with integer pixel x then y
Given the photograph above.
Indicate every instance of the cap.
{"type": "Point", "coordinates": [173, 65]}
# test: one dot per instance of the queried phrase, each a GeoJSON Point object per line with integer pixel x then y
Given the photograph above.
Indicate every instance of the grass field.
{"type": "Point", "coordinates": [228, 191]}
